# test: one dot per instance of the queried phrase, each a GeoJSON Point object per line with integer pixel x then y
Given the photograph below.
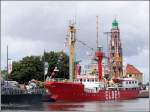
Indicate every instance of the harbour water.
{"type": "Point", "coordinates": [135, 105]}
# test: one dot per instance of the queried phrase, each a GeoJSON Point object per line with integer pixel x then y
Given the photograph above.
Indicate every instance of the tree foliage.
{"type": "Point", "coordinates": [60, 60]}
{"type": "Point", "coordinates": [4, 74]}
{"type": "Point", "coordinates": [32, 67]}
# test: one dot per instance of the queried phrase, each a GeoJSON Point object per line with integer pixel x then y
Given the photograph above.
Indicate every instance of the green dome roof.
{"type": "Point", "coordinates": [115, 23]}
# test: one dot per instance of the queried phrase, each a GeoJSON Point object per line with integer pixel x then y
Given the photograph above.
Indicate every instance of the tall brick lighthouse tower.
{"type": "Point", "coordinates": [115, 54]}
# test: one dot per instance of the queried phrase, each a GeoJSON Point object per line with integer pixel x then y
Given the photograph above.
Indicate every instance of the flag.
{"type": "Point", "coordinates": [9, 66]}
{"type": "Point", "coordinates": [45, 68]}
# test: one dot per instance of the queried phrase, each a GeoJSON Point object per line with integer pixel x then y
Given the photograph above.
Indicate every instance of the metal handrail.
{"type": "Point", "coordinates": [58, 80]}
{"type": "Point", "coordinates": [12, 91]}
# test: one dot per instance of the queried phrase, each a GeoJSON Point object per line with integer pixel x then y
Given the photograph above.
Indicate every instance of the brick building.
{"type": "Point", "coordinates": [133, 72]}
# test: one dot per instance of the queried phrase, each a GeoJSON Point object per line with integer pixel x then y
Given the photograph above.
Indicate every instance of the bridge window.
{"type": "Point", "coordinates": [84, 80]}
{"type": "Point", "coordinates": [88, 80]}
{"type": "Point", "coordinates": [127, 82]}
{"type": "Point", "coordinates": [80, 80]}
{"type": "Point", "coordinates": [130, 75]}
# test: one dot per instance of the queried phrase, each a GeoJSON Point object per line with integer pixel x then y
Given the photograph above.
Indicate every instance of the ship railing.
{"type": "Point", "coordinates": [112, 86]}
{"type": "Point", "coordinates": [37, 91]}
{"type": "Point", "coordinates": [120, 85]}
{"type": "Point", "coordinates": [91, 90]}
{"type": "Point", "coordinates": [58, 80]}
{"type": "Point", "coordinates": [12, 91]}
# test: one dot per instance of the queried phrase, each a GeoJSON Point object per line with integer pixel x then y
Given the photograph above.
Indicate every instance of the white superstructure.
{"type": "Point", "coordinates": [90, 82]}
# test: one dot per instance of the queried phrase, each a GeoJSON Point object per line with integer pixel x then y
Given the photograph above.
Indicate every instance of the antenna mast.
{"type": "Point", "coordinates": [97, 41]}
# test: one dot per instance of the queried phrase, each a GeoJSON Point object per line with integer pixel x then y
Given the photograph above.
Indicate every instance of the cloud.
{"type": "Point", "coordinates": [18, 48]}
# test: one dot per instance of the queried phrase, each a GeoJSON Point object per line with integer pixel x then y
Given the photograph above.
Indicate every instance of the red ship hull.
{"type": "Point", "coordinates": [66, 91]}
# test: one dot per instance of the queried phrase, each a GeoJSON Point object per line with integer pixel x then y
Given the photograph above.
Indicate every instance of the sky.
{"type": "Point", "coordinates": [29, 27]}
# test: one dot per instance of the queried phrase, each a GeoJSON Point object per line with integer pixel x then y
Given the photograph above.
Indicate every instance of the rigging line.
{"type": "Point", "coordinates": [83, 43]}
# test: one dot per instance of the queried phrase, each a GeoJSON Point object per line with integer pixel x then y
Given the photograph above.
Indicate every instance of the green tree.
{"type": "Point", "coordinates": [4, 74]}
{"type": "Point", "coordinates": [32, 67]}
{"type": "Point", "coordinates": [59, 60]}
{"type": "Point", "coordinates": [63, 65]}
{"type": "Point", "coordinates": [26, 69]}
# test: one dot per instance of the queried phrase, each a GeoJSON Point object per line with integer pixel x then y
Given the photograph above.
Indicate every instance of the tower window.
{"type": "Point", "coordinates": [113, 54]}
{"type": "Point", "coordinates": [113, 48]}
{"type": "Point", "coordinates": [119, 54]}
{"type": "Point", "coordinates": [114, 68]}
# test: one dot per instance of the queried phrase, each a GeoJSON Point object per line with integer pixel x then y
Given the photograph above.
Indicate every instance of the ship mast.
{"type": "Point", "coordinates": [72, 40]}
{"type": "Point", "coordinates": [99, 54]}
{"type": "Point", "coordinates": [97, 43]}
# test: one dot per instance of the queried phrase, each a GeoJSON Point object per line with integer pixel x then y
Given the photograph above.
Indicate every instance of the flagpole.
{"type": "Point", "coordinates": [7, 66]}
{"type": "Point", "coordinates": [44, 64]}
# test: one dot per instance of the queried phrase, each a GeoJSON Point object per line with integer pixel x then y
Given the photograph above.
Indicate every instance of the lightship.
{"type": "Point", "coordinates": [95, 87]}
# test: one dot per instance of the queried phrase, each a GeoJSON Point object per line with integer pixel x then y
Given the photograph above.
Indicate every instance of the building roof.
{"type": "Point", "coordinates": [130, 69]}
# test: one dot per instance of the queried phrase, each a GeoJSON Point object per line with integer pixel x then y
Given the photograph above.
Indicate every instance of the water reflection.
{"type": "Point", "coordinates": [136, 105]}
{"type": "Point", "coordinates": [65, 107]}
{"type": "Point", "coordinates": [16, 106]}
